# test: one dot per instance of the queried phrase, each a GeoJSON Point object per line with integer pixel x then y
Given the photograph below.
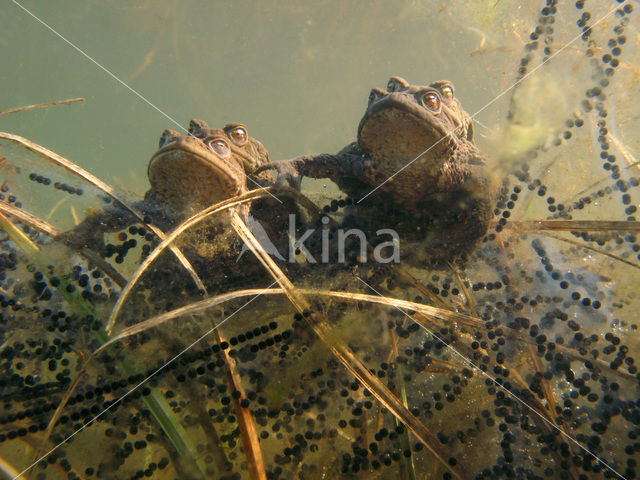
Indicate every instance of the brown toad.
{"type": "Point", "coordinates": [414, 168]}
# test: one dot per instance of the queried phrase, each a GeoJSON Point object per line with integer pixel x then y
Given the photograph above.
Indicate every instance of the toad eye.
{"type": "Point", "coordinates": [239, 135]}
{"type": "Point", "coordinates": [431, 101]}
{"type": "Point", "coordinates": [447, 91]}
{"type": "Point", "coordinates": [219, 147]}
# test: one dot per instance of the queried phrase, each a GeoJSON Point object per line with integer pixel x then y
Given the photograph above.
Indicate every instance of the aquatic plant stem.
{"type": "Point", "coordinates": [161, 411]}
{"type": "Point", "coordinates": [574, 225]}
{"type": "Point", "coordinates": [407, 467]}
{"type": "Point", "coordinates": [244, 417]}
{"type": "Point", "coordinates": [8, 469]}
{"type": "Point", "coordinates": [48, 229]}
{"type": "Point", "coordinates": [41, 105]}
{"type": "Point", "coordinates": [96, 182]}
{"type": "Point", "coordinates": [155, 401]}
{"type": "Point", "coordinates": [342, 352]}
{"type": "Point", "coordinates": [167, 243]}
{"type": "Point", "coordinates": [190, 222]}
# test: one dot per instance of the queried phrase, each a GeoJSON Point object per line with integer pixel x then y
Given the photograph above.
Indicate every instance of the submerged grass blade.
{"type": "Point", "coordinates": [244, 417]}
{"type": "Point", "coordinates": [96, 182]}
{"type": "Point", "coordinates": [593, 249]}
{"type": "Point", "coordinates": [155, 401]}
{"type": "Point", "coordinates": [574, 225]}
{"type": "Point", "coordinates": [29, 219]}
{"type": "Point", "coordinates": [34, 254]}
{"type": "Point", "coordinates": [552, 403]}
{"type": "Point", "coordinates": [624, 151]}
{"type": "Point", "coordinates": [18, 237]}
{"type": "Point", "coordinates": [8, 469]}
{"type": "Point", "coordinates": [41, 105]}
{"type": "Point", "coordinates": [44, 227]}
{"type": "Point", "coordinates": [194, 220]}
{"type": "Point", "coordinates": [174, 430]}
{"type": "Point", "coordinates": [343, 353]}
{"type": "Point", "coordinates": [427, 315]}
{"type": "Point", "coordinates": [167, 241]}
{"type": "Point", "coordinates": [467, 294]}
{"type": "Point", "coordinates": [208, 303]}
{"type": "Point", "coordinates": [434, 313]}
{"type": "Point", "coordinates": [407, 467]}
{"type": "Point", "coordinates": [157, 404]}
{"type": "Point", "coordinates": [422, 288]}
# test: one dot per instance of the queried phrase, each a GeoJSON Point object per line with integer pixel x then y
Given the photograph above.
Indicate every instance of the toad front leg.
{"type": "Point", "coordinates": [343, 168]}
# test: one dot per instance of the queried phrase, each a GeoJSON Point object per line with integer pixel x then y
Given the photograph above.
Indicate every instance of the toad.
{"type": "Point", "coordinates": [187, 173]}
{"type": "Point", "coordinates": [414, 168]}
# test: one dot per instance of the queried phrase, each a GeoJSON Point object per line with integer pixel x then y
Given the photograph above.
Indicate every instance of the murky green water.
{"type": "Point", "coordinates": [297, 75]}
{"type": "Point", "coordinates": [547, 315]}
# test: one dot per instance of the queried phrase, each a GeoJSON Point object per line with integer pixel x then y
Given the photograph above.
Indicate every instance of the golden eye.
{"type": "Point", "coordinates": [431, 101]}
{"type": "Point", "coordinates": [447, 91]}
{"type": "Point", "coordinates": [239, 135]}
{"type": "Point", "coordinates": [219, 147]}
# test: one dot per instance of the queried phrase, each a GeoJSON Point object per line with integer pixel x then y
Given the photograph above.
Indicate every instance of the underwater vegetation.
{"type": "Point", "coordinates": [138, 343]}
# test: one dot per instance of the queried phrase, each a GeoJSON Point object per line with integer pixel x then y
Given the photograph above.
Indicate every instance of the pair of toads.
{"type": "Point", "coordinates": [414, 169]}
